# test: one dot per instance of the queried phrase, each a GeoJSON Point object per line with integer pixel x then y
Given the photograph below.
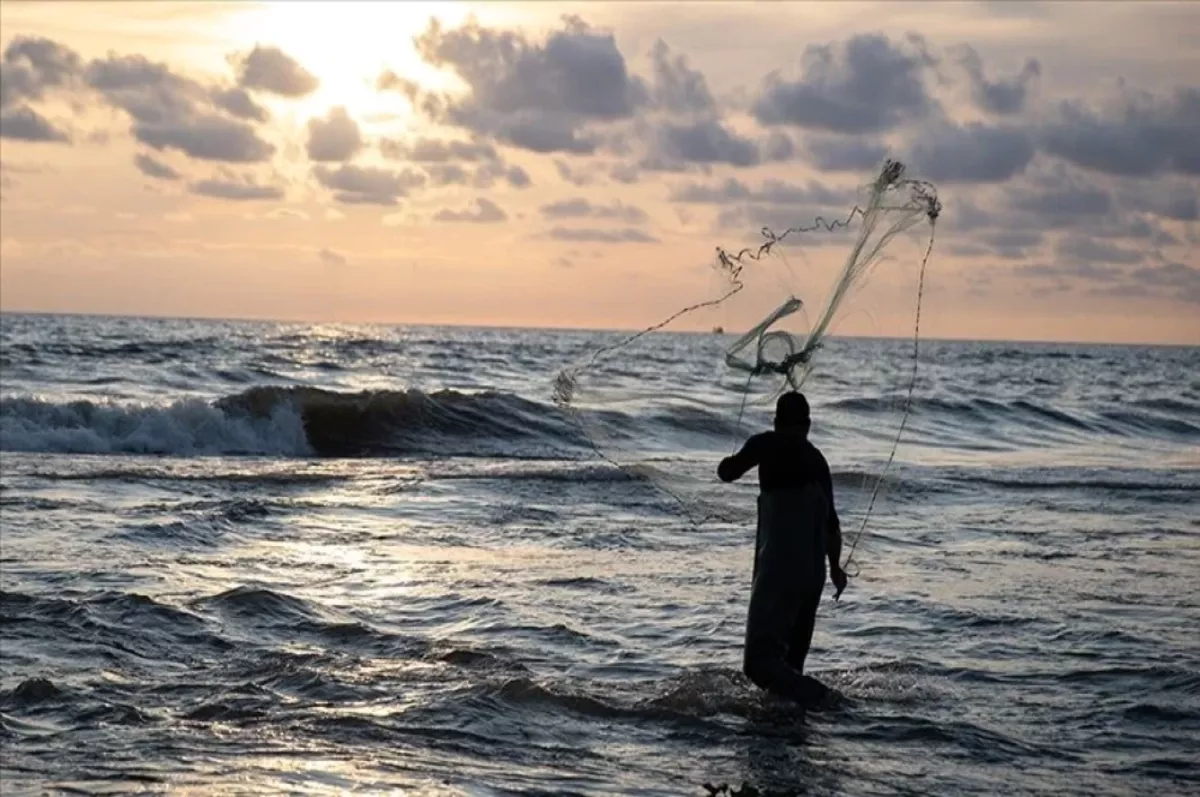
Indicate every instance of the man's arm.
{"type": "Point", "coordinates": [734, 467]}
{"type": "Point", "coordinates": [833, 549]}
{"type": "Point", "coordinates": [833, 533]}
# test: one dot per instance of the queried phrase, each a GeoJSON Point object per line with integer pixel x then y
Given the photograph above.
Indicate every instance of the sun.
{"type": "Point", "coordinates": [347, 45]}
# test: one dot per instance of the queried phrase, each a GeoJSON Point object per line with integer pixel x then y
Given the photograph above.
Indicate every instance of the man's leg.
{"type": "Point", "coordinates": [799, 644]}
{"type": "Point", "coordinates": [802, 630]}
{"type": "Point", "coordinates": [774, 608]}
{"type": "Point", "coordinates": [787, 520]}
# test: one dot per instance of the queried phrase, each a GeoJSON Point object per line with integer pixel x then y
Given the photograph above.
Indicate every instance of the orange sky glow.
{"type": "Point", "coordinates": [577, 165]}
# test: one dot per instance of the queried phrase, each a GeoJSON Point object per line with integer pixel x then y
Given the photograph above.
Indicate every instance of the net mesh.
{"type": "Point", "coordinates": [665, 406]}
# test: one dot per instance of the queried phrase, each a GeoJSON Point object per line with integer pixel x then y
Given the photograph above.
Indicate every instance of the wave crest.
{"type": "Point", "coordinates": [184, 428]}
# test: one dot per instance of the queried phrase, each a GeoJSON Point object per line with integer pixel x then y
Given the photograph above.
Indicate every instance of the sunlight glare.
{"type": "Point", "coordinates": [347, 45]}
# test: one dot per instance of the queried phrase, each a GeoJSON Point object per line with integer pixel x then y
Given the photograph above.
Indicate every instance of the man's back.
{"type": "Point", "coordinates": [784, 460]}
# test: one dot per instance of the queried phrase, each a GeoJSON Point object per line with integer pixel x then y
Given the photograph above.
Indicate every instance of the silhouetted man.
{"type": "Point", "coordinates": [798, 530]}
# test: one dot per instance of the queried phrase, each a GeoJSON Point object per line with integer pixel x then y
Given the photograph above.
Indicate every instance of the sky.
{"type": "Point", "coordinates": [578, 165]}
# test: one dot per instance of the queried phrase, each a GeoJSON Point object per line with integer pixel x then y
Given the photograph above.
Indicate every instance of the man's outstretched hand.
{"type": "Point", "coordinates": [838, 575]}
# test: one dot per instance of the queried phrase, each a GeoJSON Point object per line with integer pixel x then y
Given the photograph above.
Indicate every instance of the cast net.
{"type": "Point", "coordinates": [665, 405]}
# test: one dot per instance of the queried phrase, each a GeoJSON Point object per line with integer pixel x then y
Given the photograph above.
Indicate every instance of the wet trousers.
{"type": "Point", "coordinates": [789, 575]}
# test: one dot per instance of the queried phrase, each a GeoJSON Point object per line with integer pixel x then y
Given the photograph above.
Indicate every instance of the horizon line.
{"type": "Point", "coordinates": [552, 328]}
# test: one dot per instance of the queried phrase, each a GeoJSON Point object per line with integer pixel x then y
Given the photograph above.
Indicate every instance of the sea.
{"type": "Point", "coordinates": [247, 557]}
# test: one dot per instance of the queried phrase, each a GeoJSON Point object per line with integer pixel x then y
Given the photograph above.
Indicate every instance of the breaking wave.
{"type": "Point", "coordinates": [294, 421]}
{"type": "Point", "coordinates": [184, 428]}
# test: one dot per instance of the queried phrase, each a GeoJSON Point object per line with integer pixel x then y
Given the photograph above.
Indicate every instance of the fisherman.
{"type": "Point", "coordinates": [798, 529]}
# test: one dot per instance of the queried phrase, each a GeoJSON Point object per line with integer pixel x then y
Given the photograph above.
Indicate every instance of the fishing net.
{"type": "Point", "coordinates": [665, 406]}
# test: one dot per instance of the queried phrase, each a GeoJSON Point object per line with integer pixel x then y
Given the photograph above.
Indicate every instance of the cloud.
{"type": "Point", "coordinates": [436, 150]}
{"type": "Point", "coordinates": [1012, 244]}
{"type": "Point", "coordinates": [1181, 279]}
{"type": "Point", "coordinates": [287, 213]}
{"type": "Point", "coordinates": [577, 235]}
{"type": "Point", "coordinates": [271, 70]}
{"type": "Point", "coordinates": [171, 111]}
{"type": "Point", "coordinates": [238, 102]}
{"type": "Point", "coordinates": [331, 258]}
{"type": "Point", "coordinates": [390, 81]}
{"type": "Point", "coordinates": [677, 87]}
{"type": "Point", "coordinates": [448, 174]}
{"type": "Point", "coordinates": [1169, 201]}
{"type": "Point", "coordinates": [1139, 134]}
{"type": "Point", "coordinates": [334, 138]}
{"type": "Point", "coordinates": [624, 173]}
{"type": "Point", "coordinates": [1059, 198]}
{"type": "Point", "coordinates": [866, 85]}
{"type": "Point", "coordinates": [534, 95]}
{"type": "Point", "coordinates": [8, 169]}
{"type": "Point", "coordinates": [971, 153]}
{"type": "Point", "coordinates": [211, 138]}
{"type": "Point", "coordinates": [1009, 244]}
{"type": "Point", "coordinates": [543, 134]}
{"type": "Point", "coordinates": [33, 65]}
{"type": "Point", "coordinates": [25, 124]}
{"type": "Point", "coordinates": [355, 198]}
{"type": "Point", "coordinates": [778, 146]}
{"type": "Point", "coordinates": [151, 167]}
{"type": "Point", "coordinates": [706, 141]}
{"type": "Point", "coordinates": [1003, 96]}
{"type": "Point", "coordinates": [149, 92]}
{"type": "Point", "coordinates": [776, 204]}
{"type": "Point", "coordinates": [969, 250]}
{"type": "Point", "coordinates": [751, 218]}
{"type": "Point", "coordinates": [360, 185]}
{"type": "Point", "coordinates": [1118, 225]}
{"type": "Point", "coordinates": [486, 175]}
{"type": "Point", "coordinates": [1073, 270]}
{"type": "Point", "coordinates": [1085, 249]}
{"type": "Point", "coordinates": [441, 159]}
{"type": "Point", "coordinates": [842, 154]}
{"type": "Point", "coordinates": [774, 192]}
{"type": "Point", "coordinates": [571, 175]}
{"type": "Point", "coordinates": [240, 190]}
{"type": "Point", "coordinates": [965, 215]}
{"type": "Point", "coordinates": [517, 177]}
{"type": "Point", "coordinates": [26, 168]}
{"type": "Point", "coordinates": [581, 208]}
{"type": "Point", "coordinates": [484, 211]}
{"type": "Point", "coordinates": [1056, 200]}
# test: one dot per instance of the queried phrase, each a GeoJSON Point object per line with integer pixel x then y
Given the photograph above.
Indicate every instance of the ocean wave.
{"type": "Point", "coordinates": [295, 421]}
{"type": "Point", "coordinates": [1154, 416]}
{"type": "Point", "coordinates": [445, 422]}
{"type": "Point", "coordinates": [152, 351]}
{"type": "Point", "coordinates": [571, 474]}
{"type": "Point", "coordinates": [261, 604]}
{"type": "Point", "coordinates": [203, 524]}
{"type": "Point", "coordinates": [248, 480]}
{"type": "Point", "coordinates": [184, 428]}
{"type": "Point", "coordinates": [1034, 482]}
{"type": "Point", "coordinates": [266, 611]}
{"type": "Point", "coordinates": [29, 692]}
{"type": "Point", "coordinates": [685, 703]}
{"type": "Point", "coordinates": [104, 620]}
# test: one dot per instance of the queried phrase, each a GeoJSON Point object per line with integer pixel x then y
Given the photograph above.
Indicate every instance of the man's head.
{"type": "Point", "coordinates": [791, 413]}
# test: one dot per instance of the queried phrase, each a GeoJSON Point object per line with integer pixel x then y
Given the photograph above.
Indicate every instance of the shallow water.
{"type": "Point", "coordinates": [443, 589]}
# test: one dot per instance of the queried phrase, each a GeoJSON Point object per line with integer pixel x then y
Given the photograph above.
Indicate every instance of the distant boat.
{"type": "Point", "coordinates": [718, 330]}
